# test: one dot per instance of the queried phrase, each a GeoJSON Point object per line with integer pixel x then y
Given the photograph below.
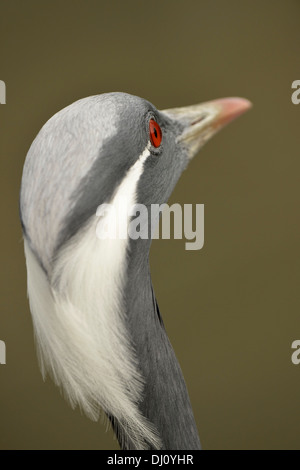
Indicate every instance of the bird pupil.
{"type": "Point", "coordinates": [154, 133]}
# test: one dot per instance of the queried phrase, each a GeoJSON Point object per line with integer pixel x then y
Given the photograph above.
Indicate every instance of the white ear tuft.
{"type": "Point", "coordinates": [80, 326]}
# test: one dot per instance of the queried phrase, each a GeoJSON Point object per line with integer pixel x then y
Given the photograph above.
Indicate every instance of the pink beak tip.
{"type": "Point", "coordinates": [231, 108]}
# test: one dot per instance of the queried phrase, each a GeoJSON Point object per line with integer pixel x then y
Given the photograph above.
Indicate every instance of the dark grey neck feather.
{"type": "Point", "coordinates": [166, 402]}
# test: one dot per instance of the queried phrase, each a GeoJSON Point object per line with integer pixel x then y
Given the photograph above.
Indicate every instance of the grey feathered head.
{"type": "Point", "coordinates": [100, 150]}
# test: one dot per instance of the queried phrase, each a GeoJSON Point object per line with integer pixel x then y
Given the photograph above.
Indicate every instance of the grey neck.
{"type": "Point", "coordinates": [166, 401]}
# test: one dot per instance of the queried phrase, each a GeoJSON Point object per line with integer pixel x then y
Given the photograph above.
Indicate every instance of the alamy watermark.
{"type": "Point", "coordinates": [2, 101]}
{"type": "Point", "coordinates": [2, 352]}
{"type": "Point", "coordinates": [296, 94]}
{"type": "Point", "coordinates": [296, 354]}
{"type": "Point", "coordinates": [139, 221]}
{"type": "Point", "coordinates": [2, 92]}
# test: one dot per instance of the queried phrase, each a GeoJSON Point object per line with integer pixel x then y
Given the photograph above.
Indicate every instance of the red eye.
{"type": "Point", "coordinates": [155, 133]}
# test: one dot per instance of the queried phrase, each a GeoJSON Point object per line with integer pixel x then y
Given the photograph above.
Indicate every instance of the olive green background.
{"type": "Point", "coordinates": [232, 308]}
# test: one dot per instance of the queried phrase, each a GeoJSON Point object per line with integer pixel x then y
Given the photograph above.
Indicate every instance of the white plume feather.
{"type": "Point", "coordinates": [80, 325]}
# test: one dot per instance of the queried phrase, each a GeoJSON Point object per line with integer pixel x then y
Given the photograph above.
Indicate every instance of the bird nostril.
{"type": "Point", "coordinates": [198, 120]}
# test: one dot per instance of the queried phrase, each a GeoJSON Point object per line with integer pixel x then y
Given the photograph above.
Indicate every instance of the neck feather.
{"type": "Point", "coordinates": [165, 402]}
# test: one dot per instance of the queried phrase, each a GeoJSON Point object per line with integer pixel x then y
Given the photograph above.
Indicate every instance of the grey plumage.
{"type": "Point", "coordinates": [77, 162]}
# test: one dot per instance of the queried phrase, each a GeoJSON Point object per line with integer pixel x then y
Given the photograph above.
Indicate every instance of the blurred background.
{"type": "Point", "coordinates": [231, 309]}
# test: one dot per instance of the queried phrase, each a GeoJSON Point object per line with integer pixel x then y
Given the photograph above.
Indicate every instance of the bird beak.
{"type": "Point", "coordinates": [200, 122]}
